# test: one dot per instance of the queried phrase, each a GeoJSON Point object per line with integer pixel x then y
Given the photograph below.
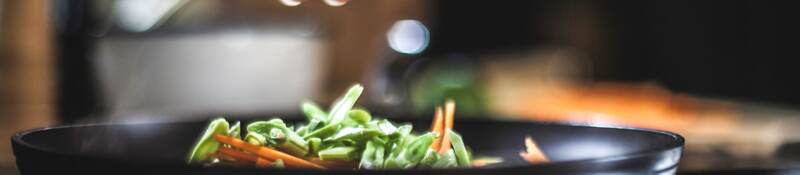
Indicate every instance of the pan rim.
{"type": "Point", "coordinates": [677, 142]}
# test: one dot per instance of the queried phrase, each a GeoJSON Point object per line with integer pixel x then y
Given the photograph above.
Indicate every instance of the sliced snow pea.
{"type": "Point", "coordinates": [462, 155]}
{"type": "Point", "coordinates": [345, 153]}
{"type": "Point", "coordinates": [206, 144]}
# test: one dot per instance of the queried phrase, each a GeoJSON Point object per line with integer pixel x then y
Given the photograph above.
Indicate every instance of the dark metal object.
{"type": "Point", "coordinates": [766, 171]}
{"type": "Point", "coordinates": [161, 148]}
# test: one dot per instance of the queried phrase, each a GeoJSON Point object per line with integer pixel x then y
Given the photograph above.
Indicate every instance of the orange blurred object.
{"type": "Point", "coordinates": [647, 106]}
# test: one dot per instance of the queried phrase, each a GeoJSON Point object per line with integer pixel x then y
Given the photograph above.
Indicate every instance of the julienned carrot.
{"type": "Point", "coordinates": [532, 153]}
{"type": "Point", "coordinates": [233, 161]}
{"type": "Point", "coordinates": [333, 163]}
{"type": "Point", "coordinates": [263, 163]}
{"type": "Point", "coordinates": [265, 152]}
{"type": "Point", "coordinates": [438, 127]}
{"type": "Point", "coordinates": [449, 110]}
{"type": "Point", "coordinates": [238, 155]}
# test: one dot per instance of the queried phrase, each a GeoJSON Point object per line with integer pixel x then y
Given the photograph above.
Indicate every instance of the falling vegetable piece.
{"type": "Point", "coordinates": [235, 130]}
{"type": "Point", "coordinates": [207, 145]}
{"type": "Point", "coordinates": [267, 152]}
{"type": "Point", "coordinates": [462, 155]}
{"type": "Point", "coordinates": [314, 115]}
{"type": "Point", "coordinates": [340, 109]}
{"type": "Point", "coordinates": [449, 110]}
{"type": "Point", "coordinates": [532, 153]}
{"type": "Point", "coordinates": [313, 112]}
{"type": "Point", "coordinates": [337, 114]}
{"type": "Point", "coordinates": [438, 127]}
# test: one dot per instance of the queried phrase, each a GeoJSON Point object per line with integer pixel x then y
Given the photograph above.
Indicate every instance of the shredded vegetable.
{"type": "Point", "coordinates": [343, 137]}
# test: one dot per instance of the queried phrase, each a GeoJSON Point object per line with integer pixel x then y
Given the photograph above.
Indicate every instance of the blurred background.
{"type": "Point", "coordinates": [721, 73]}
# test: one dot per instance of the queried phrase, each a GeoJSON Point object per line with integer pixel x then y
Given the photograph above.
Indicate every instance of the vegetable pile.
{"type": "Point", "coordinates": [342, 138]}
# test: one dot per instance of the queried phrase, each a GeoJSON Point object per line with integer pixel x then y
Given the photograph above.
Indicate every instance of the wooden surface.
{"type": "Point", "coordinates": [26, 80]}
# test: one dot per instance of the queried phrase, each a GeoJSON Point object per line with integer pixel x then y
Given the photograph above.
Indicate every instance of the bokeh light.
{"type": "Point", "coordinates": [408, 36]}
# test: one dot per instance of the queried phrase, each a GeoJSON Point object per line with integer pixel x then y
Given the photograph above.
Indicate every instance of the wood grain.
{"type": "Point", "coordinates": [26, 70]}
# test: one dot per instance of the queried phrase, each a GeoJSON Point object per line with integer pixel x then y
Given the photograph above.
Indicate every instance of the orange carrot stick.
{"type": "Point", "coordinates": [532, 153]}
{"type": "Point", "coordinates": [238, 155]}
{"type": "Point", "coordinates": [268, 153]}
{"type": "Point", "coordinates": [233, 161]}
{"type": "Point", "coordinates": [333, 163]}
{"type": "Point", "coordinates": [263, 163]}
{"type": "Point", "coordinates": [449, 110]}
{"type": "Point", "coordinates": [438, 127]}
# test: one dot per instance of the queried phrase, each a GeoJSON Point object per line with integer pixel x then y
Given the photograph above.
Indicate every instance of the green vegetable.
{"type": "Point", "coordinates": [302, 130]}
{"type": "Point", "coordinates": [367, 157]}
{"type": "Point", "coordinates": [372, 156]}
{"type": "Point", "coordinates": [405, 129]}
{"type": "Point", "coordinates": [313, 112]}
{"type": "Point", "coordinates": [401, 137]}
{"type": "Point", "coordinates": [360, 116]}
{"type": "Point", "coordinates": [278, 164]}
{"type": "Point", "coordinates": [344, 104]}
{"type": "Point", "coordinates": [315, 145]}
{"type": "Point", "coordinates": [343, 134]}
{"type": "Point", "coordinates": [360, 134]}
{"type": "Point", "coordinates": [206, 144]}
{"type": "Point", "coordinates": [410, 152]}
{"type": "Point", "coordinates": [312, 125]}
{"type": "Point", "coordinates": [280, 136]}
{"type": "Point", "coordinates": [462, 155]}
{"type": "Point", "coordinates": [324, 131]}
{"type": "Point", "coordinates": [446, 160]}
{"type": "Point", "coordinates": [386, 127]}
{"type": "Point", "coordinates": [430, 158]}
{"type": "Point", "coordinates": [314, 115]}
{"type": "Point", "coordinates": [255, 139]}
{"type": "Point", "coordinates": [417, 148]}
{"type": "Point", "coordinates": [378, 158]}
{"type": "Point", "coordinates": [235, 130]}
{"type": "Point", "coordinates": [345, 153]}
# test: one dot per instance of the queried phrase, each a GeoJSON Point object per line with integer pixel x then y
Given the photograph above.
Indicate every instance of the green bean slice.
{"type": "Point", "coordinates": [206, 144]}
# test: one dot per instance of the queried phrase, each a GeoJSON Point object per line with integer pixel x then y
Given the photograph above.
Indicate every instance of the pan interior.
{"type": "Point", "coordinates": [170, 142]}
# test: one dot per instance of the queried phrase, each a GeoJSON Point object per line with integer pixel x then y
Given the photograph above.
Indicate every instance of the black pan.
{"type": "Point", "coordinates": [161, 148]}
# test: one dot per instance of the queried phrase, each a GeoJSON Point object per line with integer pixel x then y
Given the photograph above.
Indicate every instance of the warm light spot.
{"type": "Point", "coordinates": [291, 3]}
{"type": "Point", "coordinates": [336, 3]}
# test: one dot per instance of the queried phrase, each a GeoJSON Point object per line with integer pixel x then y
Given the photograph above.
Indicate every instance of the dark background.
{"type": "Point", "coordinates": [730, 49]}
{"type": "Point", "coordinates": [737, 49]}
